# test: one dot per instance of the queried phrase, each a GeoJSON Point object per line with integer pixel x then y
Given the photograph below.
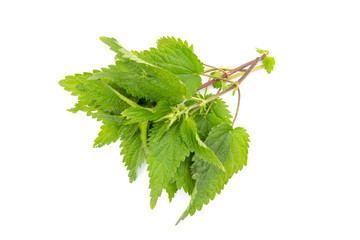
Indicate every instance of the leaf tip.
{"type": "Point", "coordinates": [104, 39]}
{"type": "Point", "coordinates": [177, 221]}
{"type": "Point", "coordinates": [153, 203]}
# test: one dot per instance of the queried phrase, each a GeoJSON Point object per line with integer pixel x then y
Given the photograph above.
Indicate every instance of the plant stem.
{"type": "Point", "coordinates": [192, 112]}
{"type": "Point", "coordinates": [237, 69]}
{"type": "Point", "coordinates": [232, 77]}
{"type": "Point", "coordinates": [242, 73]}
{"type": "Point", "coordinates": [210, 76]}
{"type": "Point", "coordinates": [213, 69]}
{"type": "Point", "coordinates": [207, 110]}
{"type": "Point", "coordinates": [238, 82]}
{"type": "Point", "coordinates": [237, 107]}
{"type": "Point", "coordinates": [235, 84]}
{"type": "Point", "coordinates": [245, 65]}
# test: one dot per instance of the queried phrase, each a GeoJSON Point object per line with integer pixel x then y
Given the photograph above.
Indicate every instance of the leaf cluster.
{"type": "Point", "coordinates": [150, 101]}
{"type": "Point", "coordinates": [268, 61]}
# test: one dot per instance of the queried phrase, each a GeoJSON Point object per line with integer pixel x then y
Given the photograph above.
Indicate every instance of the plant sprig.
{"type": "Point", "coordinates": [153, 102]}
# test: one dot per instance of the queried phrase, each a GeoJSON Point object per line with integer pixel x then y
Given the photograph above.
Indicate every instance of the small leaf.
{"type": "Point", "coordinates": [261, 51]}
{"type": "Point", "coordinates": [269, 63]}
{"type": "Point", "coordinates": [217, 84]}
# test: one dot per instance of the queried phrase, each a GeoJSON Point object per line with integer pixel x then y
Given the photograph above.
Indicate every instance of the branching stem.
{"type": "Point", "coordinates": [231, 72]}
{"type": "Point", "coordinates": [238, 82]}
{"type": "Point", "coordinates": [214, 69]}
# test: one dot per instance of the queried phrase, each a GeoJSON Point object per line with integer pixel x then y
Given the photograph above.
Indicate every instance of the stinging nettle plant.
{"type": "Point", "coordinates": [151, 101]}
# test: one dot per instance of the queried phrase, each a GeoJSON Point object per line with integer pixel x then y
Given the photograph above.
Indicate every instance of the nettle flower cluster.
{"type": "Point", "coordinates": [153, 102]}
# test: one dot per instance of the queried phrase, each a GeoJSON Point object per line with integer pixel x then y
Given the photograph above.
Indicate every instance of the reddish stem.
{"type": "Point", "coordinates": [254, 62]}
{"type": "Point", "coordinates": [231, 72]}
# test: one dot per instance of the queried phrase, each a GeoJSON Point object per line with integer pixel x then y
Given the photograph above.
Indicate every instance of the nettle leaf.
{"type": "Point", "coordinates": [191, 138]}
{"type": "Point", "coordinates": [165, 157]}
{"type": "Point", "coordinates": [269, 63]}
{"type": "Point", "coordinates": [220, 109]}
{"type": "Point", "coordinates": [93, 97]}
{"type": "Point", "coordinates": [183, 179]}
{"type": "Point", "coordinates": [142, 79]}
{"type": "Point", "coordinates": [177, 57]}
{"type": "Point", "coordinates": [146, 81]}
{"type": "Point", "coordinates": [183, 176]}
{"type": "Point", "coordinates": [110, 132]}
{"type": "Point", "coordinates": [171, 189]}
{"type": "Point", "coordinates": [261, 51]}
{"type": "Point", "coordinates": [148, 114]}
{"type": "Point", "coordinates": [218, 84]}
{"type": "Point", "coordinates": [231, 147]}
{"type": "Point", "coordinates": [133, 149]}
{"type": "Point", "coordinates": [205, 123]}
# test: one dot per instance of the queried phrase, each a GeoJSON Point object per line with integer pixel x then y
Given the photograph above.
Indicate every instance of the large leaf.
{"type": "Point", "coordinates": [133, 149]}
{"type": "Point", "coordinates": [205, 123]}
{"type": "Point", "coordinates": [110, 132]}
{"type": "Point", "coordinates": [178, 58]}
{"type": "Point", "coordinates": [231, 147]}
{"type": "Point", "coordinates": [142, 79]}
{"type": "Point", "coordinates": [95, 96]}
{"type": "Point", "coordinates": [165, 157]}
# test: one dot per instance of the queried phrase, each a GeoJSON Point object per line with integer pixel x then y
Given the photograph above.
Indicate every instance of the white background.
{"type": "Point", "coordinates": [302, 180]}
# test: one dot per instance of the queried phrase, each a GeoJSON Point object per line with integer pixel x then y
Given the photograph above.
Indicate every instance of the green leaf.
{"type": "Point", "coordinates": [142, 79]}
{"type": "Point", "coordinates": [219, 108]}
{"type": "Point", "coordinates": [171, 189]}
{"type": "Point", "coordinates": [122, 53]}
{"type": "Point", "coordinates": [183, 176]}
{"type": "Point", "coordinates": [177, 57]}
{"type": "Point", "coordinates": [217, 84]}
{"type": "Point", "coordinates": [231, 147]}
{"type": "Point", "coordinates": [110, 132]}
{"type": "Point", "coordinates": [191, 138]}
{"type": "Point", "coordinates": [113, 118]}
{"type": "Point", "coordinates": [268, 63]}
{"type": "Point", "coordinates": [164, 159]}
{"type": "Point", "coordinates": [93, 97]}
{"type": "Point", "coordinates": [148, 114]}
{"type": "Point", "coordinates": [133, 149]}
{"type": "Point", "coordinates": [262, 51]}
{"type": "Point", "coordinates": [205, 123]}
{"type": "Point", "coordinates": [146, 81]}
{"type": "Point", "coordinates": [159, 129]}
